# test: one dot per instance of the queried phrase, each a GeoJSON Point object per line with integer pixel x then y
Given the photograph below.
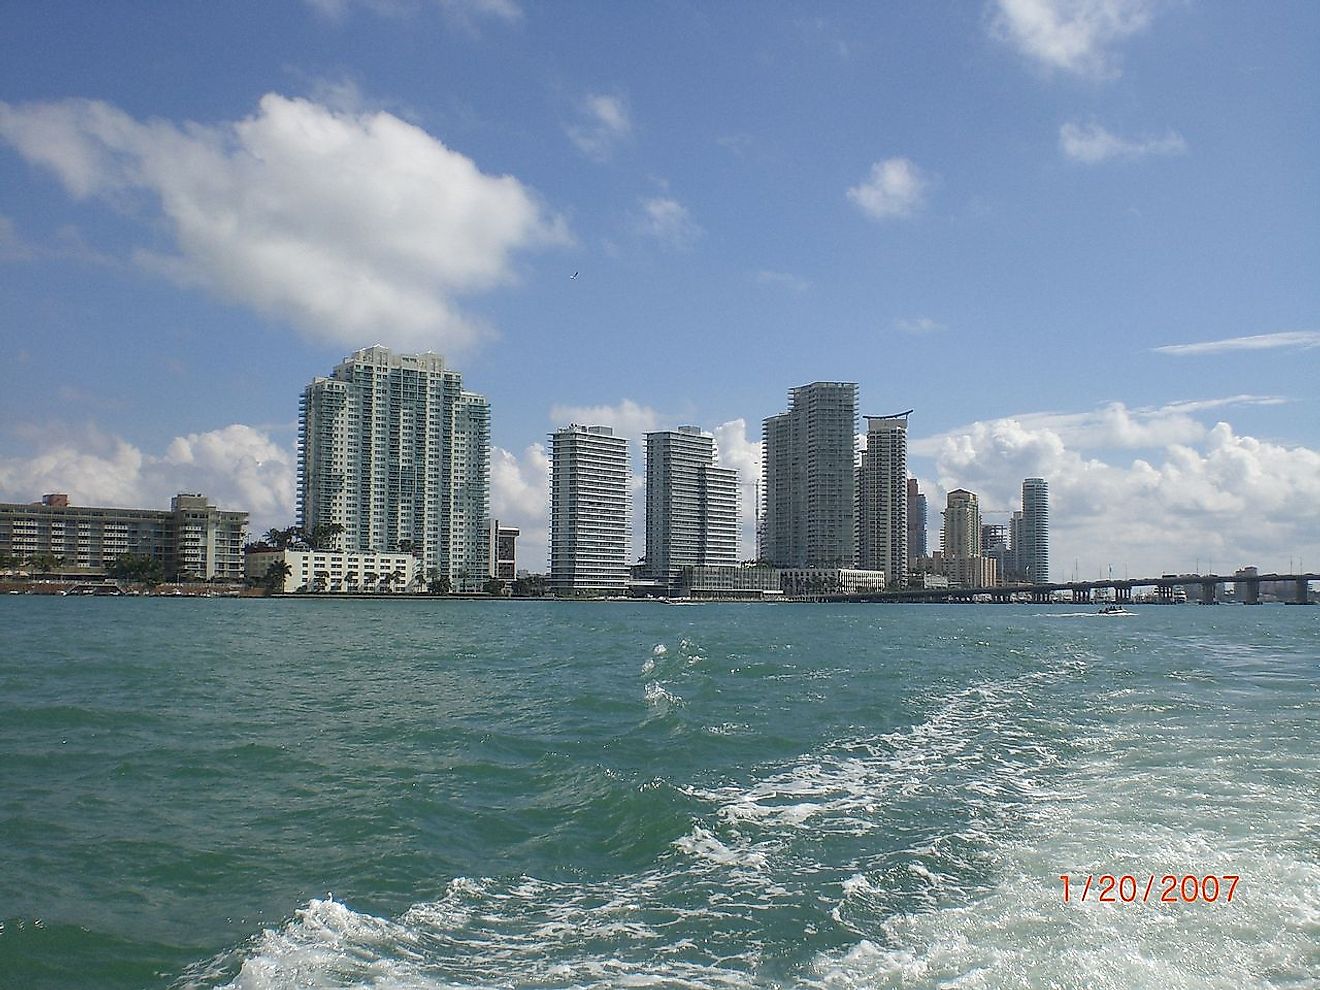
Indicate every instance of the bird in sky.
{"type": "Point", "coordinates": [574, 275]}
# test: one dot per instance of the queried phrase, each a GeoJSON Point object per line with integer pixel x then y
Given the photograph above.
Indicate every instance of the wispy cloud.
{"type": "Point", "coordinates": [784, 280]}
{"type": "Point", "coordinates": [921, 325]}
{"type": "Point", "coordinates": [604, 123]}
{"type": "Point", "coordinates": [1091, 144]}
{"type": "Point", "coordinates": [1294, 339]}
{"type": "Point", "coordinates": [1074, 36]}
{"type": "Point", "coordinates": [668, 221]}
{"type": "Point", "coordinates": [895, 188]}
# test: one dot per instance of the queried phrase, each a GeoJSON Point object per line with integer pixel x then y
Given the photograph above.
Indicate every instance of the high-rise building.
{"type": "Point", "coordinates": [589, 511]}
{"type": "Point", "coordinates": [962, 525]}
{"type": "Point", "coordinates": [917, 546]}
{"type": "Point", "coordinates": [809, 478]}
{"type": "Point", "coordinates": [882, 499]}
{"type": "Point", "coordinates": [1032, 554]}
{"type": "Point", "coordinates": [691, 505]}
{"type": "Point", "coordinates": [503, 551]}
{"type": "Point", "coordinates": [394, 450]}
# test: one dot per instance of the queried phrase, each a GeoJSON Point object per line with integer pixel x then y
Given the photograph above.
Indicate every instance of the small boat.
{"type": "Point", "coordinates": [1114, 610]}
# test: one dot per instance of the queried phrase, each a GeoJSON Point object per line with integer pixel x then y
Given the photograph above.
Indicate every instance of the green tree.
{"type": "Point", "coordinates": [493, 587]}
{"type": "Point", "coordinates": [276, 572]}
{"type": "Point", "coordinates": [136, 567]}
{"type": "Point", "coordinates": [437, 583]}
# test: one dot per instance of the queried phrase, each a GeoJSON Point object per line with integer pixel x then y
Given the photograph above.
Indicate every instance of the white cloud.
{"type": "Point", "coordinates": [627, 418]}
{"type": "Point", "coordinates": [921, 325]}
{"type": "Point", "coordinates": [1294, 339]}
{"type": "Point", "coordinates": [351, 226]}
{"type": "Point", "coordinates": [744, 456]}
{"type": "Point", "coordinates": [1113, 426]}
{"type": "Point", "coordinates": [519, 496]}
{"type": "Point", "coordinates": [238, 467]}
{"type": "Point", "coordinates": [896, 188]}
{"type": "Point", "coordinates": [462, 13]}
{"type": "Point", "coordinates": [785, 280]}
{"type": "Point", "coordinates": [668, 221]}
{"type": "Point", "coordinates": [1071, 35]}
{"type": "Point", "coordinates": [1091, 144]}
{"type": "Point", "coordinates": [604, 124]}
{"type": "Point", "coordinates": [1204, 492]}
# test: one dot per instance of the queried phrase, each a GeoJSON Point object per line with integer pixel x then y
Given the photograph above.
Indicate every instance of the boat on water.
{"type": "Point", "coordinates": [1114, 610]}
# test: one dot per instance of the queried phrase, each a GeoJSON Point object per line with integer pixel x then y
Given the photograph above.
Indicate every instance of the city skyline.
{"type": "Point", "coordinates": [1077, 238]}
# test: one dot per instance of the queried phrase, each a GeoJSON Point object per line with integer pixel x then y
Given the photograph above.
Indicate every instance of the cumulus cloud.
{"type": "Point", "coordinates": [1200, 492]}
{"type": "Point", "coordinates": [1091, 144]}
{"type": "Point", "coordinates": [1075, 36]}
{"type": "Point", "coordinates": [519, 496]}
{"type": "Point", "coordinates": [896, 188]}
{"type": "Point", "coordinates": [603, 124]}
{"type": "Point", "coordinates": [350, 226]}
{"type": "Point", "coordinates": [668, 221]}
{"type": "Point", "coordinates": [1291, 339]}
{"type": "Point", "coordinates": [744, 456]}
{"type": "Point", "coordinates": [628, 418]}
{"type": "Point", "coordinates": [238, 467]}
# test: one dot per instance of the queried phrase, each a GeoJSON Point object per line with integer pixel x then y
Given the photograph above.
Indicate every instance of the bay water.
{"type": "Point", "coordinates": [395, 794]}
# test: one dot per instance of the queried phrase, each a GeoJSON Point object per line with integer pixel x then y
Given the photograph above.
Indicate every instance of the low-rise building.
{"type": "Point", "coordinates": [807, 582]}
{"type": "Point", "coordinates": [315, 571]}
{"type": "Point", "coordinates": [731, 581]}
{"type": "Point", "coordinates": [192, 540]}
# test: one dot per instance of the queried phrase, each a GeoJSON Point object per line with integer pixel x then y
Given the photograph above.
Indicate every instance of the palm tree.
{"type": "Point", "coordinates": [276, 573]}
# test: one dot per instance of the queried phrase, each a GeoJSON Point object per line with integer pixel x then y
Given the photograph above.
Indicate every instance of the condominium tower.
{"type": "Point", "coordinates": [962, 525]}
{"type": "Point", "coordinates": [809, 505]}
{"type": "Point", "coordinates": [882, 499]}
{"type": "Point", "coordinates": [589, 517]}
{"type": "Point", "coordinates": [1031, 546]}
{"type": "Point", "coordinates": [691, 505]}
{"type": "Point", "coordinates": [394, 450]}
{"type": "Point", "coordinates": [916, 520]}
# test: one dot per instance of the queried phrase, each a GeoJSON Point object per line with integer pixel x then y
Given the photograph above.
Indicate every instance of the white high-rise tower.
{"type": "Point", "coordinates": [391, 448]}
{"type": "Point", "coordinates": [809, 492]}
{"type": "Point", "coordinates": [589, 519]}
{"type": "Point", "coordinates": [691, 504]}
{"type": "Point", "coordinates": [882, 499]}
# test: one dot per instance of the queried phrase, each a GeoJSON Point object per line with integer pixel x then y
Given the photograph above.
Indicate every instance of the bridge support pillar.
{"type": "Point", "coordinates": [1081, 596]}
{"type": "Point", "coordinates": [1164, 594]}
{"type": "Point", "coordinates": [1209, 593]}
{"type": "Point", "coordinates": [1123, 594]}
{"type": "Point", "coordinates": [1249, 591]}
{"type": "Point", "coordinates": [1303, 587]}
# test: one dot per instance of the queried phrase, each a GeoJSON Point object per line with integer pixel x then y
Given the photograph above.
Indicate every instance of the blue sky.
{"type": "Point", "coordinates": [1078, 237]}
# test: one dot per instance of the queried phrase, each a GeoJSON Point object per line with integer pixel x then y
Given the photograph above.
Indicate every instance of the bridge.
{"type": "Point", "coordinates": [1084, 592]}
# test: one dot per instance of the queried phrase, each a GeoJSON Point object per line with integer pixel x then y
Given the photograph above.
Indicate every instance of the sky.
{"type": "Point", "coordinates": [1079, 238]}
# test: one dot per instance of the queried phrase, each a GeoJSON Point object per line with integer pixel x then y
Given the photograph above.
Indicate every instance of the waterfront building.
{"type": "Point", "coordinates": [962, 525]}
{"type": "Point", "coordinates": [809, 582]}
{"type": "Point", "coordinates": [691, 505]}
{"type": "Point", "coordinates": [1032, 551]}
{"type": "Point", "coordinates": [882, 498]}
{"type": "Point", "coordinates": [503, 551]}
{"type": "Point", "coordinates": [916, 507]}
{"type": "Point", "coordinates": [737, 581]}
{"type": "Point", "coordinates": [590, 496]}
{"type": "Point", "coordinates": [361, 571]}
{"type": "Point", "coordinates": [809, 480]}
{"type": "Point", "coordinates": [193, 540]}
{"type": "Point", "coordinates": [392, 448]}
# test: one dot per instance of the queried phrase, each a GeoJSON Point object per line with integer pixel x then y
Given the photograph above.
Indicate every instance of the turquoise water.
{"type": "Point", "coordinates": [397, 794]}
